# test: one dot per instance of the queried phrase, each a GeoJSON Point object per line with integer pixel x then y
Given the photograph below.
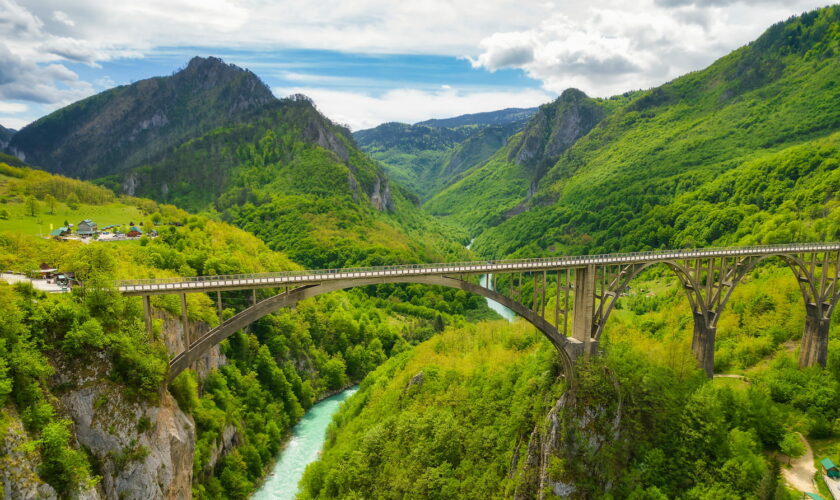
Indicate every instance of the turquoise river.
{"type": "Point", "coordinates": [303, 448]}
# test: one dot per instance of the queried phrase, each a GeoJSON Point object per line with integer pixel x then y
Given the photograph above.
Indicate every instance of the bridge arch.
{"type": "Point", "coordinates": [708, 295]}
{"type": "Point", "coordinates": [567, 348]}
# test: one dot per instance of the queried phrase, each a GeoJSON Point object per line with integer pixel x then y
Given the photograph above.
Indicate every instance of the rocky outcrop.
{"type": "Point", "coordinates": [317, 132]}
{"type": "Point", "coordinates": [555, 128]}
{"type": "Point", "coordinates": [19, 463]}
{"type": "Point", "coordinates": [144, 448]}
{"type": "Point", "coordinates": [381, 198]}
{"type": "Point", "coordinates": [574, 433]}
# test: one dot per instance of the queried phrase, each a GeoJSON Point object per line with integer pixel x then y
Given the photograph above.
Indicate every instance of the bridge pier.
{"type": "Point", "coordinates": [184, 324]}
{"type": "Point", "coordinates": [814, 349]}
{"type": "Point", "coordinates": [703, 344]}
{"type": "Point", "coordinates": [584, 308]}
{"type": "Point", "coordinates": [147, 314]}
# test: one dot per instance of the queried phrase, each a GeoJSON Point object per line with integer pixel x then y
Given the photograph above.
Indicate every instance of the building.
{"type": "Point", "coordinates": [87, 228]}
{"type": "Point", "coordinates": [134, 232]}
{"type": "Point", "coordinates": [59, 232]}
{"type": "Point", "coordinates": [829, 468]}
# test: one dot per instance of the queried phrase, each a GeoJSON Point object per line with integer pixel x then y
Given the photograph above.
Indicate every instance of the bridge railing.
{"type": "Point", "coordinates": [475, 266]}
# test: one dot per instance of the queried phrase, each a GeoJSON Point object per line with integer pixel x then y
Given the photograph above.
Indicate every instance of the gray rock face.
{"type": "Point", "coordinates": [317, 132]}
{"type": "Point", "coordinates": [381, 197]}
{"type": "Point", "coordinates": [556, 127]}
{"type": "Point", "coordinates": [145, 448]}
{"type": "Point", "coordinates": [18, 479]}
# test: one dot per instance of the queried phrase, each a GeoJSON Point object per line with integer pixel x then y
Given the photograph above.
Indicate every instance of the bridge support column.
{"type": "Point", "coordinates": [147, 313]}
{"type": "Point", "coordinates": [703, 344]}
{"type": "Point", "coordinates": [184, 325]}
{"type": "Point", "coordinates": [814, 349]}
{"type": "Point", "coordinates": [219, 305]}
{"type": "Point", "coordinates": [584, 311]}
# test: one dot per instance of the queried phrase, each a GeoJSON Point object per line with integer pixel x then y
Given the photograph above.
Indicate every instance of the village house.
{"type": "Point", "coordinates": [87, 228]}
{"type": "Point", "coordinates": [60, 231]}
{"type": "Point", "coordinates": [829, 468]}
{"type": "Point", "coordinates": [134, 232]}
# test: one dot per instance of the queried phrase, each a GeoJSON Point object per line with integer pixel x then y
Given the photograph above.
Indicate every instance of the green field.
{"type": "Point", "coordinates": [20, 222]}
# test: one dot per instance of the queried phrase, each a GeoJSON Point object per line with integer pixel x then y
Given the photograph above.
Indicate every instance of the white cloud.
{"type": "Point", "coordinates": [48, 84]}
{"type": "Point", "coordinates": [63, 18]}
{"type": "Point", "coordinates": [14, 122]}
{"type": "Point", "coordinates": [361, 111]}
{"type": "Point", "coordinates": [601, 46]}
{"type": "Point", "coordinates": [615, 46]}
{"type": "Point", "coordinates": [12, 107]}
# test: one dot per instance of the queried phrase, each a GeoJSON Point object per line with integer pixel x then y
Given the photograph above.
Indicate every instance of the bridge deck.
{"type": "Point", "coordinates": [290, 278]}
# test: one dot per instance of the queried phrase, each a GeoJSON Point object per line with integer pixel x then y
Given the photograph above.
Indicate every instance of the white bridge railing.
{"type": "Point", "coordinates": [221, 282]}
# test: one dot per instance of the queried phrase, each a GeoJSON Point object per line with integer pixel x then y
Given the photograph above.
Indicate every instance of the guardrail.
{"type": "Point", "coordinates": [468, 267]}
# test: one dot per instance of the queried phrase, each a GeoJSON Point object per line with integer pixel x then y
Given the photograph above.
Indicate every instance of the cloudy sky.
{"type": "Point", "coordinates": [365, 62]}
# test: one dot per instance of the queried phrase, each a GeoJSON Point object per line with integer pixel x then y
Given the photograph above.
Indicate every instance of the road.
{"type": "Point", "coordinates": [800, 475]}
{"type": "Point", "coordinates": [36, 283]}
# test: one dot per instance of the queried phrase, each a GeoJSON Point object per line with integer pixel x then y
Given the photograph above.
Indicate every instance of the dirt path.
{"type": "Point", "coordinates": [800, 475]}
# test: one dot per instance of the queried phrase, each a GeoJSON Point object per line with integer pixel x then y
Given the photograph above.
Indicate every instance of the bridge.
{"type": "Point", "coordinates": [585, 287]}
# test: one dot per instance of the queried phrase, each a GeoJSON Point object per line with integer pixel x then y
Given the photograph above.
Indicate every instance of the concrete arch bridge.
{"type": "Point", "coordinates": [586, 290]}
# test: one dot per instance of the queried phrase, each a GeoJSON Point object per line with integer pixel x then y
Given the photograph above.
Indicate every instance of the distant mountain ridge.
{"type": "Point", "coordinates": [131, 125]}
{"type": "Point", "coordinates": [430, 155]}
{"type": "Point", "coordinates": [503, 185]}
{"type": "Point", "coordinates": [500, 117]}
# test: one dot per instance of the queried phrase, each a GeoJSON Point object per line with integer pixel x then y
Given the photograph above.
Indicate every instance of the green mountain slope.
{"type": "Point", "coordinates": [212, 137]}
{"type": "Point", "coordinates": [703, 159]}
{"type": "Point", "coordinates": [133, 124]}
{"type": "Point", "coordinates": [428, 156]}
{"type": "Point", "coordinates": [500, 188]}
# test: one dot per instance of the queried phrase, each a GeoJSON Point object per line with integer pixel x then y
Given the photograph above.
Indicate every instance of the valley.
{"type": "Point", "coordinates": [600, 297]}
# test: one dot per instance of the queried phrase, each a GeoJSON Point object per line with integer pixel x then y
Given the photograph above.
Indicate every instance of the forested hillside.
{"type": "Point", "coordinates": [243, 404]}
{"type": "Point", "coordinates": [131, 125]}
{"type": "Point", "coordinates": [743, 151]}
{"type": "Point", "coordinates": [502, 187]}
{"type": "Point", "coordinates": [428, 156]}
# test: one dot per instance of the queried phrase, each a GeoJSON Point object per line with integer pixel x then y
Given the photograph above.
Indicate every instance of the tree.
{"type": "Point", "coordinates": [31, 205]}
{"type": "Point", "coordinates": [72, 201]}
{"type": "Point", "coordinates": [792, 445]}
{"type": "Point", "coordinates": [50, 201]}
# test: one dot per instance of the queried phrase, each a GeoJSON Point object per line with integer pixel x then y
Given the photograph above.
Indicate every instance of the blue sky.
{"type": "Point", "coordinates": [365, 62]}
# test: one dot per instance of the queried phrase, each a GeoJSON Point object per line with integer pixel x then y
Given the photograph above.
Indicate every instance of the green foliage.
{"type": "Point", "coordinates": [439, 421]}
{"type": "Point", "coordinates": [741, 152]}
{"type": "Point", "coordinates": [185, 390]}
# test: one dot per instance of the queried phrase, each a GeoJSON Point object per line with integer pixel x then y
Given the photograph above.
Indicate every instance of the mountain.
{"type": "Point", "coordinates": [500, 187]}
{"type": "Point", "coordinates": [5, 136]}
{"type": "Point", "coordinates": [135, 124]}
{"type": "Point", "coordinates": [501, 117]}
{"type": "Point", "coordinates": [708, 158]}
{"type": "Point", "coordinates": [428, 156]}
{"type": "Point", "coordinates": [212, 137]}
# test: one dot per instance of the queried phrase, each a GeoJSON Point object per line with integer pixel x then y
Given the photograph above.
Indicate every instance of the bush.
{"type": "Point", "coordinates": [185, 390]}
